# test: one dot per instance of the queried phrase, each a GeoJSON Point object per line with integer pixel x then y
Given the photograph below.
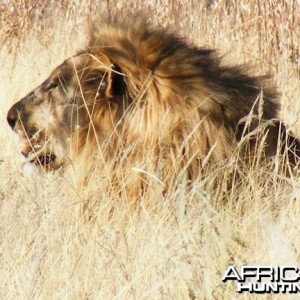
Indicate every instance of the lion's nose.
{"type": "Point", "coordinates": [12, 117]}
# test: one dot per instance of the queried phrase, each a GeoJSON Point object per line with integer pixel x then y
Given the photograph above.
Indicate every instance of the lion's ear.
{"type": "Point", "coordinates": [104, 64]}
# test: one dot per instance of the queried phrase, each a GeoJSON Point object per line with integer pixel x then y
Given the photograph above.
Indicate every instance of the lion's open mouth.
{"type": "Point", "coordinates": [40, 160]}
{"type": "Point", "coordinates": [45, 160]}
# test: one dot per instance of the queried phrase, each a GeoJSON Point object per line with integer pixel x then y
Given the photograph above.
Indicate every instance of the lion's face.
{"type": "Point", "coordinates": [47, 119]}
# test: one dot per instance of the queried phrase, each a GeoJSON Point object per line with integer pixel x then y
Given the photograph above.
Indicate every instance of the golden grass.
{"type": "Point", "coordinates": [181, 246]}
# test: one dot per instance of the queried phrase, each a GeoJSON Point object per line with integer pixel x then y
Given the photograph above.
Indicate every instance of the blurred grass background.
{"type": "Point", "coordinates": [182, 248]}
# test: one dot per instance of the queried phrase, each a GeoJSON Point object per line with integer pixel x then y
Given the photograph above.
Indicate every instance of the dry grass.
{"type": "Point", "coordinates": [181, 246]}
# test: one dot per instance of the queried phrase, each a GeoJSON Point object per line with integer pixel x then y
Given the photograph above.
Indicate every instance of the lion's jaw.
{"type": "Point", "coordinates": [43, 148]}
{"type": "Point", "coordinates": [47, 153]}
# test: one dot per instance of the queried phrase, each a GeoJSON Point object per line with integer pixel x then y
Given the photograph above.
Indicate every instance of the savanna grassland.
{"type": "Point", "coordinates": [179, 246]}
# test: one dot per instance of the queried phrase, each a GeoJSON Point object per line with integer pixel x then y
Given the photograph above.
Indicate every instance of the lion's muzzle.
{"type": "Point", "coordinates": [36, 148]}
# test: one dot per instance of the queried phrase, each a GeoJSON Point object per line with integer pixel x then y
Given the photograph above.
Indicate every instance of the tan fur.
{"type": "Point", "coordinates": [141, 98]}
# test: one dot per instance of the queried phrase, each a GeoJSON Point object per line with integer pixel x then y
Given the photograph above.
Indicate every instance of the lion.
{"type": "Point", "coordinates": [141, 97]}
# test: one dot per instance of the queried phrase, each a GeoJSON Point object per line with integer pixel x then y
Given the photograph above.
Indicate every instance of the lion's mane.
{"type": "Point", "coordinates": [177, 103]}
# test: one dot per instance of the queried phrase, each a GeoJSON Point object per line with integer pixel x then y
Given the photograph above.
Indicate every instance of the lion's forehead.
{"type": "Point", "coordinates": [73, 70]}
{"type": "Point", "coordinates": [63, 72]}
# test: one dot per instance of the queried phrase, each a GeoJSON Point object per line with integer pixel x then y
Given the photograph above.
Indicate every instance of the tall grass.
{"type": "Point", "coordinates": [179, 246]}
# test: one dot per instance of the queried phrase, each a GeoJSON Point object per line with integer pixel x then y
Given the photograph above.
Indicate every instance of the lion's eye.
{"type": "Point", "coordinates": [51, 86]}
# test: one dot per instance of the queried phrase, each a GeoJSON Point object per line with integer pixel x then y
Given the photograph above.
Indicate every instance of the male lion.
{"type": "Point", "coordinates": [141, 97]}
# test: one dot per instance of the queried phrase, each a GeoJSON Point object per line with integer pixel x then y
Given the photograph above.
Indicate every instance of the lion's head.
{"type": "Point", "coordinates": [50, 119]}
